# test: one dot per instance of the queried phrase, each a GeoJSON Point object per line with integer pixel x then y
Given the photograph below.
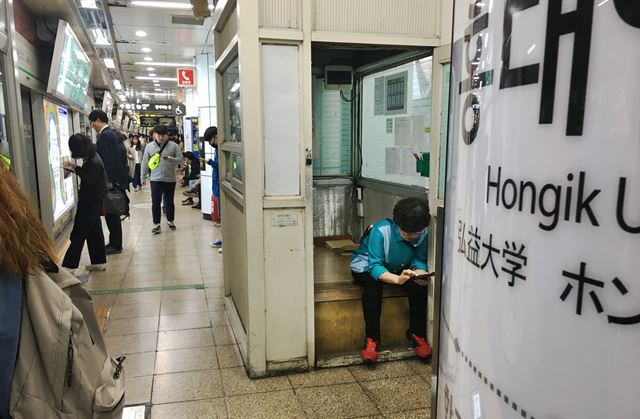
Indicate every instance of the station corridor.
{"type": "Point", "coordinates": [161, 302]}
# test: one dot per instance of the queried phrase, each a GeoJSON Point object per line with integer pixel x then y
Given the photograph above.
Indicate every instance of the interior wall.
{"type": "Point", "coordinates": [235, 251]}
{"type": "Point", "coordinates": [332, 210]}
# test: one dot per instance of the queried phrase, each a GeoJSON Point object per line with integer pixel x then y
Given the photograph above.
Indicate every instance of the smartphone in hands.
{"type": "Point", "coordinates": [423, 279]}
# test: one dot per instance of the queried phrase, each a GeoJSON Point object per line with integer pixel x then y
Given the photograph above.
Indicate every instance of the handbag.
{"type": "Point", "coordinates": [154, 161]}
{"type": "Point", "coordinates": [115, 202]}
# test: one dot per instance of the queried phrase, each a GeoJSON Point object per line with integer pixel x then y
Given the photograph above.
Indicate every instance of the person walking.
{"type": "Point", "coordinates": [136, 148]}
{"type": "Point", "coordinates": [113, 155]}
{"type": "Point", "coordinates": [162, 176]}
{"type": "Point", "coordinates": [93, 188]}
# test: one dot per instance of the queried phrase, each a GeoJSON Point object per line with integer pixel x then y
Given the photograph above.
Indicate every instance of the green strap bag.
{"type": "Point", "coordinates": [154, 161]}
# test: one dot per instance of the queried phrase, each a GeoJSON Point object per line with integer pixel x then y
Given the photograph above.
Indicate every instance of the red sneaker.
{"type": "Point", "coordinates": [420, 346]}
{"type": "Point", "coordinates": [369, 353]}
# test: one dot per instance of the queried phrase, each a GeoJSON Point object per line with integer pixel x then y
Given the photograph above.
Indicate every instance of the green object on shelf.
{"type": "Point", "coordinates": [422, 166]}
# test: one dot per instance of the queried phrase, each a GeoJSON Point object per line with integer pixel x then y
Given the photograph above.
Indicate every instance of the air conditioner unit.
{"type": "Point", "coordinates": [338, 77]}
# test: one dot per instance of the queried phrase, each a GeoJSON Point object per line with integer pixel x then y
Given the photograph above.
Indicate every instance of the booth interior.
{"type": "Point", "coordinates": [371, 134]}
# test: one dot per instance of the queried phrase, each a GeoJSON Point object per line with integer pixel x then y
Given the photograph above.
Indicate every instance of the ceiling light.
{"type": "Point", "coordinates": [235, 88]}
{"type": "Point", "coordinates": [141, 34]}
{"type": "Point", "coordinates": [167, 64]}
{"type": "Point", "coordinates": [117, 84]}
{"type": "Point", "coordinates": [156, 81]}
{"type": "Point", "coordinates": [148, 59]}
{"type": "Point", "coordinates": [88, 4]}
{"type": "Point", "coordinates": [109, 63]}
{"type": "Point", "coordinates": [156, 78]}
{"type": "Point", "coordinates": [150, 68]}
{"type": "Point", "coordinates": [146, 49]}
{"type": "Point", "coordinates": [152, 74]}
{"type": "Point", "coordinates": [161, 4]}
{"type": "Point", "coordinates": [158, 90]}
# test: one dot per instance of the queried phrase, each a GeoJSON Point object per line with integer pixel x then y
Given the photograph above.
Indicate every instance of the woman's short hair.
{"type": "Point", "coordinates": [81, 146]}
{"type": "Point", "coordinates": [411, 214]}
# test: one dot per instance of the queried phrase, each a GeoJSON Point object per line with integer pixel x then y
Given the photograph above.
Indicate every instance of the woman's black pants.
{"type": "Point", "coordinates": [87, 226]}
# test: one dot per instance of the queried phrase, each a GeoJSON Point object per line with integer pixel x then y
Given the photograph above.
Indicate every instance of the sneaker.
{"type": "Point", "coordinates": [369, 353]}
{"type": "Point", "coordinates": [190, 193]}
{"type": "Point", "coordinates": [70, 270]}
{"type": "Point", "coordinates": [420, 346]}
{"type": "Point", "coordinates": [156, 229]}
{"type": "Point", "coordinates": [171, 225]}
{"type": "Point", "coordinates": [220, 250]}
{"type": "Point", "coordinates": [217, 243]}
{"type": "Point", "coordinates": [96, 268]}
{"type": "Point", "coordinates": [188, 201]}
{"type": "Point", "coordinates": [196, 206]}
{"type": "Point", "coordinates": [216, 224]}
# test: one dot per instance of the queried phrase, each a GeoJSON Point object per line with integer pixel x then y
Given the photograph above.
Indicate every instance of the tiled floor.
{"type": "Point", "coordinates": [161, 301]}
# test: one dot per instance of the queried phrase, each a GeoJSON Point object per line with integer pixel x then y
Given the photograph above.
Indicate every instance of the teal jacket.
{"type": "Point", "coordinates": [384, 250]}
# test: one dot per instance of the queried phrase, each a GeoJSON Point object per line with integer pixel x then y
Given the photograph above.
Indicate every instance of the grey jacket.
{"type": "Point", "coordinates": [166, 170]}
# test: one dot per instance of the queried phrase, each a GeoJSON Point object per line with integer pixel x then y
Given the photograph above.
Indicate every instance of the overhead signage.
{"type": "Point", "coordinates": [540, 305]}
{"type": "Point", "coordinates": [177, 109]}
{"type": "Point", "coordinates": [186, 77]}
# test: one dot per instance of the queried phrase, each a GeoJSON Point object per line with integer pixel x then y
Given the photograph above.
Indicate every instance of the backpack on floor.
{"type": "Point", "coordinates": [63, 369]}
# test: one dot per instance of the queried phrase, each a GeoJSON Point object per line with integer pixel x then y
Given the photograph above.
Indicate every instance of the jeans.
{"type": "Point", "coordinates": [136, 177]}
{"type": "Point", "coordinates": [160, 191]}
{"type": "Point", "coordinates": [372, 304]}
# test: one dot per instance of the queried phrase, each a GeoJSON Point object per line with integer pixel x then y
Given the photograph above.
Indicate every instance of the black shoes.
{"type": "Point", "coordinates": [110, 250]}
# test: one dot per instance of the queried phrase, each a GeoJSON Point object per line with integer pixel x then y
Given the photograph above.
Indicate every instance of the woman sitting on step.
{"type": "Point", "coordinates": [394, 252]}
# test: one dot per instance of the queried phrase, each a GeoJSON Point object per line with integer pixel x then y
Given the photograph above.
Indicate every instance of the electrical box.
{"type": "Point", "coordinates": [338, 77]}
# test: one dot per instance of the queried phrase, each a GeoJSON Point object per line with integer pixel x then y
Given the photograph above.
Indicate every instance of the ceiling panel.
{"type": "Point", "coordinates": [136, 48]}
{"type": "Point", "coordinates": [185, 35]}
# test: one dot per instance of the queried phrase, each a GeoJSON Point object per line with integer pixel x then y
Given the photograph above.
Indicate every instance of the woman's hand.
{"type": "Point", "coordinates": [405, 276]}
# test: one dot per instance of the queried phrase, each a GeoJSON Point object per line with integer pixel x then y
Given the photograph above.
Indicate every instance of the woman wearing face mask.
{"type": "Point", "coordinates": [87, 225]}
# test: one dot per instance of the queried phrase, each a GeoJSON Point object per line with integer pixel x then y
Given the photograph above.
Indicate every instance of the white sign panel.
{"type": "Point", "coordinates": [541, 286]}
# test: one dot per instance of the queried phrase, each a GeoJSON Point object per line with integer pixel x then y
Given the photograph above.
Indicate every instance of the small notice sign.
{"type": "Point", "coordinates": [284, 220]}
{"type": "Point", "coordinates": [186, 77]}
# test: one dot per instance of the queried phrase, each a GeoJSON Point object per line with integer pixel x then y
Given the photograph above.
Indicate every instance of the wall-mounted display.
{"type": "Point", "coordinates": [58, 124]}
{"type": "Point", "coordinates": [70, 68]}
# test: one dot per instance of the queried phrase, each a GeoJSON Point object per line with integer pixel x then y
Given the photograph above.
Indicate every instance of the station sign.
{"type": "Point", "coordinates": [540, 309]}
{"type": "Point", "coordinates": [186, 77]}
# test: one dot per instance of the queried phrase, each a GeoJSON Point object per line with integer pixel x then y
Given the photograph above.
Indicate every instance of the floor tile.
{"type": "Point", "coordinates": [200, 409]}
{"type": "Point", "coordinates": [185, 386]}
{"type": "Point", "coordinates": [139, 365]}
{"type": "Point", "coordinates": [183, 295]}
{"type": "Point", "coordinates": [184, 321]}
{"type": "Point", "coordinates": [411, 414]}
{"type": "Point", "coordinates": [128, 311]}
{"type": "Point", "coordinates": [181, 339]}
{"type": "Point", "coordinates": [138, 390]}
{"type": "Point", "coordinates": [183, 307]}
{"type": "Point", "coordinates": [279, 404]}
{"type": "Point", "coordinates": [223, 336]}
{"type": "Point", "coordinates": [415, 394]}
{"type": "Point", "coordinates": [340, 400]}
{"type": "Point", "coordinates": [132, 326]}
{"type": "Point", "coordinates": [130, 344]}
{"type": "Point", "coordinates": [219, 318]}
{"type": "Point", "coordinates": [381, 370]}
{"type": "Point", "coordinates": [181, 360]}
{"type": "Point", "coordinates": [322, 377]}
{"type": "Point", "coordinates": [235, 382]}
{"type": "Point", "coordinates": [138, 297]}
{"type": "Point", "coordinates": [420, 367]}
{"type": "Point", "coordinates": [216, 304]}
{"type": "Point", "coordinates": [229, 356]}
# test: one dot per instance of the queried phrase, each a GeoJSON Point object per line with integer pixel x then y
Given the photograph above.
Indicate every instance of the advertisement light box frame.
{"type": "Point", "coordinates": [63, 34]}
